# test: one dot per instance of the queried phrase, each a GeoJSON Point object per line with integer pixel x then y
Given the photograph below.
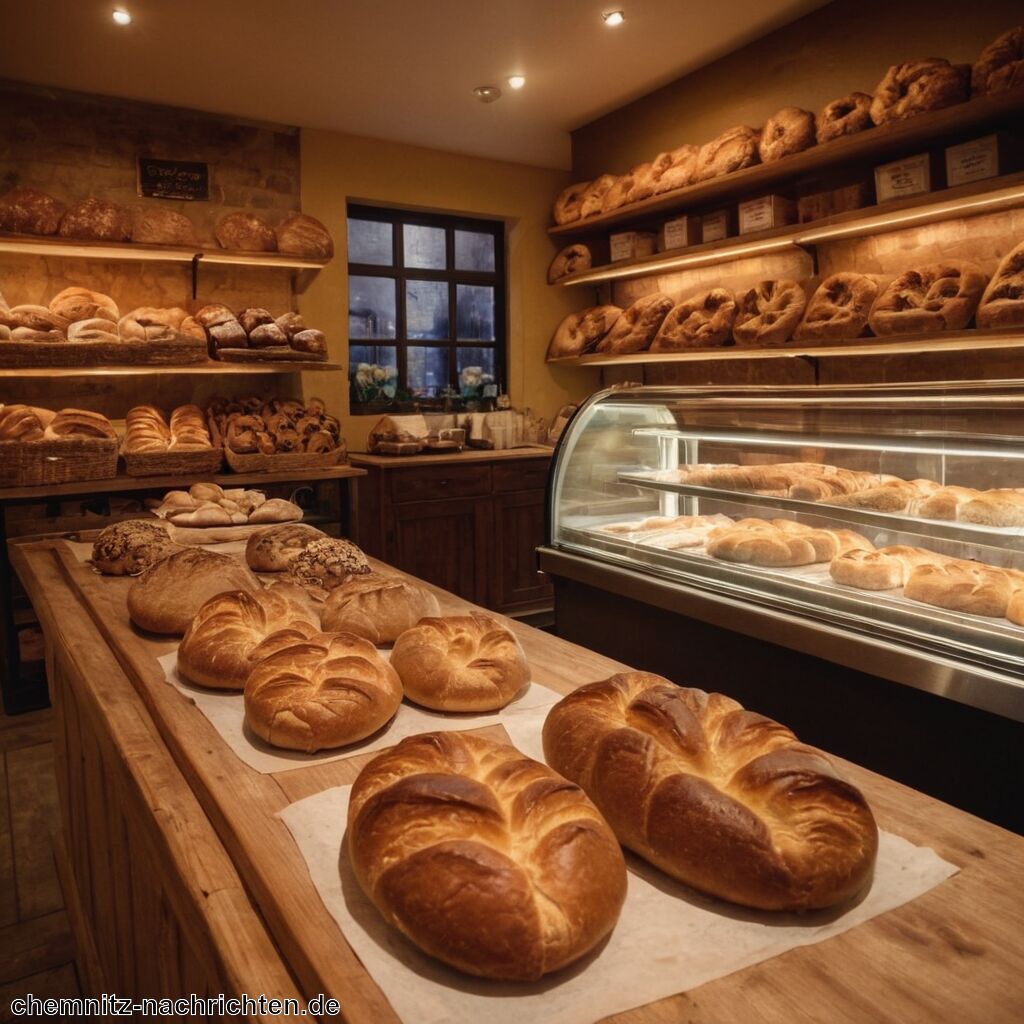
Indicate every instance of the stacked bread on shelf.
{"type": "Point", "coordinates": [926, 299]}
{"type": "Point", "coordinates": [40, 446]}
{"type": "Point", "coordinates": [209, 504]}
{"type": "Point", "coordinates": [256, 333]}
{"type": "Point", "coordinates": [255, 426]}
{"type": "Point", "coordinates": [906, 90]}
{"type": "Point", "coordinates": [28, 423]}
{"type": "Point", "coordinates": [29, 211]}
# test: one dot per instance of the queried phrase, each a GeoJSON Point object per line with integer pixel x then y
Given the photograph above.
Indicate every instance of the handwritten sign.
{"type": "Point", "coordinates": [173, 179]}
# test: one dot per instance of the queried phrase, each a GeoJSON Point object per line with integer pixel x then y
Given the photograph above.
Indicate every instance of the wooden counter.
{"type": "Point", "coordinates": [953, 954]}
{"type": "Point", "coordinates": [470, 455]}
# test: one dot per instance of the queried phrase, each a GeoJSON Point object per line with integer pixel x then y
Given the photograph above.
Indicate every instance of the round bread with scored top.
{"type": "Point", "coordinates": [483, 858]}
{"type": "Point", "coordinates": [272, 549]}
{"type": "Point", "coordinates": [721, 798]}
{"type": "Point", "coordinates": [460, 663]}
{"type": "Point", "coordinates": [227, 636]}
{"type": "Point", "coordinates": [378, 607]}
{"type": "Point", "coordinates": [319, 692]}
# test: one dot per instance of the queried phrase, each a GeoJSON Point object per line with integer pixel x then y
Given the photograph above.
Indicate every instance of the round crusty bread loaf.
{"type": "Point", "coordinates": [272, 549]}
{"type": "Point", "coordinates": [131, 547]}
{"type": "Point", "coordinates": [27, 211]}
{"type": "Point", "coordinates": [917, 86]}
{"type": "Point", "coordinates": [162, 227]}
{"type": "Point", "coordinates": [1002, 304]}
{"type": "Point", "coordinates": [1000, 66]}
{"type": "Point", "coordinates": [76, 304]}
{"type": "Point", "coordinates": [731, 151]}
{"type": "Point", "coordinates": [483, 858]}
{"type": "Point", "coordinates": [276, 510]}
{"type": "Point", "coordinates": [166, 598]}
{"type": "Point", "coordinates": [635, 329]}
{"type": "Point", "coordinates": [226, 638]}
{"type": "Point", "coordinates": [302, 235]}
{"type": "Point", "coordinates": [567, 261]}
{"type": "Point", "coordinates": [579, 332]}
{"type": "Point", "coordinates": [326, 563]}
{"type": "Point", "coordinates": [460, 663]}
{"type": "Point", "coordinates": [97, 219]}
{"type": "Point", "coordinates": [787, 131]}
{"type": "Point", "coordinates": [245, 232]}
{"type": "Point", "coordinates": [320, 692]}
{"type": "Point", "coordinates": [719, 797]}
{"type": "Point", "coordinates": [377, 607]}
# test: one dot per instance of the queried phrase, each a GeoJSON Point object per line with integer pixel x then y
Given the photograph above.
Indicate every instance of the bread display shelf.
{"type": "Point", "coordinates": [47, 355]}
{"type": "Point", "coordinates": [194, 464]}
{"type": "Point", "coordinates": [44, 245]}
{"type": "Point", "coordinates": [80, 612]}
{"type": "Point", "coordinates": [874, 144]}
{"type": "Point", "coordinates": [856, 518]}
{"type": "Point", "coordinates": [951, 341]}
{"type": "Point", "coordinates": [143, 369]}
{"type": "Point", "coordinates": [991, 196]}
{"type": "Point", "coordinates": [256, 462]}
{"type": "Point", "coordinates": [276, 354]}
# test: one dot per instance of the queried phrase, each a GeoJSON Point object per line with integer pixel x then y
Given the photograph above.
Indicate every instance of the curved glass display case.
{"type": "Point", "coordinates": [880, 527]}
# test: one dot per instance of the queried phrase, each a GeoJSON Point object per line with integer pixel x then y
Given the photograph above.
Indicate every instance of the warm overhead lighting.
{"type": "Point", "coordinates": [516, 81]}
{"type": "Point", "coordinates": [487, 93]}
{"type": "Point", "coordinates": [614, 18]}
{"type": "Point", "coordinates": [121, 16]}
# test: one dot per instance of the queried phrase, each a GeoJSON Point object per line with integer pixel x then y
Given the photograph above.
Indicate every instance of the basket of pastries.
{"type": "Point", "coordinates": [184, 444]}
{"type": "Point", "coordinates": [81, 327]}
{"type": "Point", "coordinates": [39, 446]}
{"type": "Point", "coordinates": [277, 434]}
{"type": "Point", "coordinates": [255, 335]}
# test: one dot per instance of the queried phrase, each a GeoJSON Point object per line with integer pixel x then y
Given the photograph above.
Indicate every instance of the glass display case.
{"type": "Point", "coordinates": [880, 527]}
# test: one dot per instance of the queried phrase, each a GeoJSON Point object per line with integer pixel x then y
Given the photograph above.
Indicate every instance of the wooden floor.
{"type": "Point", "coordinates": [36, 947]}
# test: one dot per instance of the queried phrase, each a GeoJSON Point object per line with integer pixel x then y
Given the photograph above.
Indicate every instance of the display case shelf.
{"type": "Point", "coordinates": [996, 194]}
{"type": "Point", "coordinates": [44, 245]}
{"type": "Point", "coordinates": [897, 138]}
{"type": "Point", "coordinates": [151, 371]}
{"type": "Point", "coordinates": [952, 341]}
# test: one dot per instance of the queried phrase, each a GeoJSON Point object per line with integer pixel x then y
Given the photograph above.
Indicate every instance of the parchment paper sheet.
{"type": "Point", "coordinates": [226, 712]}
{"type": "Point", "coordinates": [669, 939]}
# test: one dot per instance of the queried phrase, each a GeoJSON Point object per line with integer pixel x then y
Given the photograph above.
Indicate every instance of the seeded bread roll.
{"type": "Point", "coordinates": [486, 860]}
{"type": "Point", "coordinates": [716, 796]}
{"type": "Point", "coordinates": [272, 549]}
{"type": "Point", "coordinates": [327, 563]}
{"type": "Point", "coordinates": [460, 663]}
{"type": "Point", "coordinates": [131, 547]}
{"type": "Point", "coordinates": [166, 598]}
{"type": "Point", "coordinates": [377, 607]}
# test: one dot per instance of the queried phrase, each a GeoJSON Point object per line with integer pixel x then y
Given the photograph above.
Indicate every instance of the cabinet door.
{"type": "Point", "coordinates": [443, 542]}
{"type": "Point", "coordinates": [519, 531]}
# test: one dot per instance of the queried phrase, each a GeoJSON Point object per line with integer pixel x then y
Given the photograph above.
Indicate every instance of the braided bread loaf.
{"type": "Point", "coordinates": [483, 858]}
{"type": "Point", "coordinates": [718, 797]}
{"type": "Point", "coordinates": [225, 639]}
{"type": "Point", "coordinates": [460, 663]}
{"type": "Point", "coordinates": [319, 691]}
{"type": "Point", "coordinates": [781, 542]}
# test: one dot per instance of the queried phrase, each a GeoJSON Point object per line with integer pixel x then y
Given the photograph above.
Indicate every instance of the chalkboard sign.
{"type": "Point", "coordinates": [173, 179]}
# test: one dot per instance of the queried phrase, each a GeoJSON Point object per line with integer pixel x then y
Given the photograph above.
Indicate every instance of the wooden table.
{"type": "Point", "coordinates": [22, 695]}
{"type": "Point", "coordinates": [953, 954]}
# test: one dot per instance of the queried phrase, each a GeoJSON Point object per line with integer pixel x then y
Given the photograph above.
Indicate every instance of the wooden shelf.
{"type": "Point", "coordinates": [991, 196]}
{"type": "Point", "coordinates": [164, 371]}
{"type": "Point", "coordinates": [122, 484]}
{"type": "Point", "coordinates": [960, 341]}
{"type": "Point", "coordinates": [43, 245]}
{"type": "Point", "coordinates": [891, 140]}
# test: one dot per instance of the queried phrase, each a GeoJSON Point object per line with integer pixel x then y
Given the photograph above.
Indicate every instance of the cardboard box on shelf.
{"type": "Point", "coordinates": [628, 245]}
{"type": "Point", "coordinates": [766, 212]}
{"type": "Point", "coordinates": [715, 226]}
{"type": "Point", "coordinates": [679, 233]}
{"type": "Point", "coordinates": [902, 178]}
{"type": "Point", "coordinates": [987, 157]}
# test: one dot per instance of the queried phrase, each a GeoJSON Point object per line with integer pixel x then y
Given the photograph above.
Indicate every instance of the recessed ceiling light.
{"type": "Point", "coordinates": [487, 93]}
{"type": "Point", "coordinates": [614, 18]}
{"type": "Point", "coordinates": [121, 16]}
{"type": "Point", "coordinates": [516, 81]}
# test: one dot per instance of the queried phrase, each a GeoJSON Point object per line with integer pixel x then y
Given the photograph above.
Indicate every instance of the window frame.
{"type": "Point", "coordinates": [399, 217]}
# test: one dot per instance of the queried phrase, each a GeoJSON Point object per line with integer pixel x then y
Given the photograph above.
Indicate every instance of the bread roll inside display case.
{"type": "Point", "coordinates": [833, 534]}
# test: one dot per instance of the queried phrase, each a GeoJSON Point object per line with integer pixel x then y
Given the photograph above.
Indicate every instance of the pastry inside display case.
{"type": "Point", "coordinates": [893, 512]}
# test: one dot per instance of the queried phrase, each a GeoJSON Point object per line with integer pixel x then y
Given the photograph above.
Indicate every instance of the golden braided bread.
{"type": "Point", "coordinates": [721, 798]}
{"type": "Point", "coordinates": [485, 859]}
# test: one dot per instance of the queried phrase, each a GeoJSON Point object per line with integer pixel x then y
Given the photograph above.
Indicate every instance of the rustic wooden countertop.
{"type": "Point", "coordinates": [953, 954]}
{"type": "Point", "coordinates": [468, 456]}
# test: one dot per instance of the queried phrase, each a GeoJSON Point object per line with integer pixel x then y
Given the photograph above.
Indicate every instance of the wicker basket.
{"type": "Point", "coordinates": [209, 460]}
{"type": "Point", "coordinates": [31, 463]}
{"type": "Point", "coordinates": [286, 462]}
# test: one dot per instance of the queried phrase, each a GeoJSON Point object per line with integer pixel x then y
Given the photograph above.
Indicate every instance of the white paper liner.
{"type": "Point", "coordinates": [669, 939]}
{"type": "Point", "coordinates": [225, 710]}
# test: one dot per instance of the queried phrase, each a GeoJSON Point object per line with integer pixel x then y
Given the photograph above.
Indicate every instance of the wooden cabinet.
{"type": "Point", "coordinates": [470, 523]}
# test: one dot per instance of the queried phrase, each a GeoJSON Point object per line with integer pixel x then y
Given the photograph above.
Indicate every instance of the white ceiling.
{"type": "Point", "coordinates": [392, 69]}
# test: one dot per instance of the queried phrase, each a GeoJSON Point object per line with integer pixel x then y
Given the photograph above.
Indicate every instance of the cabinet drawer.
{"type": "Point", "coordinates": [527, 475]}
{"type": "Point", "coordinates": [446, 481]}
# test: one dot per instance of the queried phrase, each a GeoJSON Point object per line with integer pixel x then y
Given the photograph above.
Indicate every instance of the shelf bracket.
{"type": "Point", "coordinates": [195, 273]}
{"type": "Point", "coordinates": [812, 250]}
{"type": "Point", "coordinates": [812, 361]}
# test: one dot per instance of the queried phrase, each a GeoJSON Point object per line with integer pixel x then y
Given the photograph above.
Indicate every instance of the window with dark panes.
{"type": "Point", "coordinates": [426, 310]}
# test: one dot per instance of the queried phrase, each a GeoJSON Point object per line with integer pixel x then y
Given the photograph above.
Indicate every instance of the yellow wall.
{"type": "Point", "coordinates": [844, 46]}
{"type": "Point", "coordinates": [338, 167]}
